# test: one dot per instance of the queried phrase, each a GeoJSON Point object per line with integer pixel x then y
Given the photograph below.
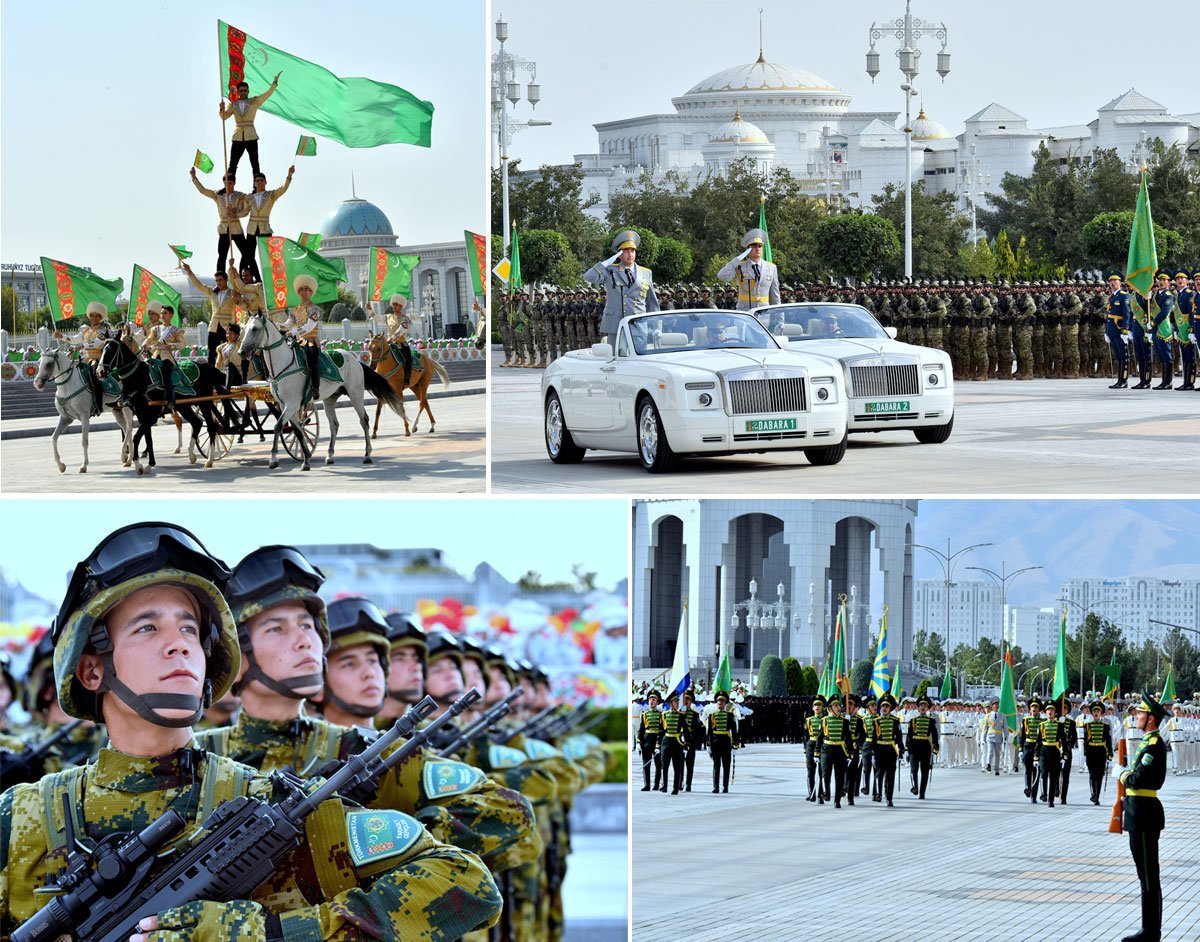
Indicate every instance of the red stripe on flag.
{"type": "Point", "coordinates": [380, 275]}
{"type": "Point", "coordinates": [235, 42]}
{"type": "Point", "coordinates": [66, 293]}
{"type": "Point", "coordinates": [278, 270]}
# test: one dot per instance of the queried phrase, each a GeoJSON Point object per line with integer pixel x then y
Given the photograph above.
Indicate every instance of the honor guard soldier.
{"type": "Point", "coordinates": [243, 109]}
{"type": "Point", "coordinates": [1097, 748]}
{"type": "Point", "coordinates": [303, 326]}
{"type": "Point", "coordinates": [1117, 328]}
{"type": "Point", "coordinates": [812, 748]}
{"type": "Point", "coordinates": [1070, 741]}
{"type": "Point", "coordinates": [889, 748]}
{"type": "Point", "coordinates": [91, 340]}
{"type": "Point", "coordinates": [722, 740]}
{"type": "Point", "coordinates": [259, 203]}
{"type": "Point", "coordinates": [223, 299]}
{"type": "Point", "coordinates": [835, 751]}
{"type": "Point", "coordinates": [867, 748]}
{"type": "Point", "coordinates": [995, 736]}
{"type": "Point", "coordinates": [356, 664]}
{"type": "Point", "coordinates": [628, 287]}
{"type": "Point", "coordinates": [674, 732]}
{"type": "Point", "coordinates": [1138, 328]}
{"type": "Point", "coordinates": [1142, 814]}
{"type": "Point", "coordinates": [922, 745]}
{"type": "Point", "coordinates": [1186, 316]}
{"type": "Point", "coordinates": [1162, 325]}
{"type": "Point", "coordinates": [231, 207]}
{"type": "Point", "coordinates": [1050, 742]}
{"type": "Point", "coordinates": [757, 280]}
{"type": "Point", "coordinates": [1027, 739]}
{"type": "Point", "coordinates": [693, 739]}
{"type": "Point", "coordinates": [143, 641]}
{"type": "Point", "coordinates": [648, 739]}
{"type": "Point", "coordinates": [398, 326]}
{"type": "Point", "coordinates": [856, 736]}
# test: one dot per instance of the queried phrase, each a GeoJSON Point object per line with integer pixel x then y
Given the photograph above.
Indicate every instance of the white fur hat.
{"type": "Point", "coordinates": [154, 307]}
{"type": "Point", "coordinates": [97, 307]}
{"type": "Point", "coordinates": [302, 280]}
{"type": "Point", "coordinates": [399, 299]}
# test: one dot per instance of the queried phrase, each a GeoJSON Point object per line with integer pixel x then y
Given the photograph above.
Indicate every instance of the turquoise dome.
{"type": "Point", "coordinates": [356, 217]}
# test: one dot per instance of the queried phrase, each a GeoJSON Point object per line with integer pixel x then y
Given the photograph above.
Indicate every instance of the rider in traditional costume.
{"type": "Point", "coordinates": [91, 340]}
{"type": "Point", "coordinates": [303, 324]}
{"type": "Point", "coordinates": [397, 334]}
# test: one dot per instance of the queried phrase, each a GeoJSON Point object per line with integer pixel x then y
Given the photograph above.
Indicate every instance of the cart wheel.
{"type": "Point", "coordinates": [309, 426]}
{"type": "Point", "coordinates": [229, 418]}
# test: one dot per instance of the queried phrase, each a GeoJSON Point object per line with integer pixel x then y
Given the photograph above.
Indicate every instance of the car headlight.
{"type": "Point", "coordinates": [705, 399]}
{"type": "Point", "coordinates": [933, 374]}
{"type": "Point", "coordinates": [824, 389]}
{"type": "Point", "coordinates": [699, 395]}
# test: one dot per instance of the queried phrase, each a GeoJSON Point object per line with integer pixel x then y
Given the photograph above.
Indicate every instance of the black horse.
{"type": "Point", "coordinates": [134, 376]}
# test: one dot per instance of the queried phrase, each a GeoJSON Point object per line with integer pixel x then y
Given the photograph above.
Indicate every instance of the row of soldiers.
{"type": "Point", "coordinates": [670, 739]}
{"type": "Point", "coordinates": [459, 840]}
{"type": "Point", "coordinates": [992, 330]}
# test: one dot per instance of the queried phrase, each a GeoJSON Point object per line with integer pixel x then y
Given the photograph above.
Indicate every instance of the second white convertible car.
{"type": "Point", "coordinates": [892, 385]}
{"type": "Point", "coordinates": [694, 383]}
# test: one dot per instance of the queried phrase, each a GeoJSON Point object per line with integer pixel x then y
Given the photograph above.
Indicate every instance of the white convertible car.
{"type": "Point", "coordinates": [891, 385]}
{"type": "Point", "coordinates": [694, 383]}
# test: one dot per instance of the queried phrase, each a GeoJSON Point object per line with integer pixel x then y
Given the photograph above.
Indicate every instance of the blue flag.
{"type": "Point", "coordinates": [681, 678]}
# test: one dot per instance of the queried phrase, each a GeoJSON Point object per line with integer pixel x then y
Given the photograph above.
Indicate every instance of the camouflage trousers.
{"type": "Point", "coordinates": [1054, 351]}
{"type": "Point", "coordinates": [960, 354]}
{"type": "Point", "coordinates": [1004, 351]}
{"type": "Point", "coordinates": [992, 352]}
{"type": "Point", "coordinates": [1039, 352]}
{"type": "Point", "coordinates": [506, 340]}
{"type": "Point", "coordinates": [979, 356]}
{"type": "Point", "coordinates": [1070, 361]}
{"type": "Point", "coordinates": [936, 338]}
{"type": "Point", "coordinates": [1024, 350]}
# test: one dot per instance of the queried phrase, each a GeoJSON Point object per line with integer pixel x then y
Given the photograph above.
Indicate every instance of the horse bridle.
{"type": "Point", "coordinates": [293, 367]}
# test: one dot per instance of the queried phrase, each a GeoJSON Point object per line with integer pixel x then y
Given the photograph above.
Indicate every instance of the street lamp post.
{"type": "Point", "coordinates": [946, 561]}
{"type": "Point", "coordinates": [763, 616]}
{"type": "Point", "coordinates": [1087, 610]}
{"type": "Point", "coordinates": [909, 30]}
{"type": "Point", "coordinates": [1002, 579]}
{"type": "Point", "coordinates": [975, 184]}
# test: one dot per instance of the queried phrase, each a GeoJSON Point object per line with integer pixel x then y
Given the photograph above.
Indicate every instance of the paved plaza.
{"type": "Point", "coordinates": [974, 862]}
{"type": "Point", "coordinates": [1010, 438]}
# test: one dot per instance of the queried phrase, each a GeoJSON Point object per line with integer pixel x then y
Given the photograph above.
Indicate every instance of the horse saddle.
{"type": "Point", "coordinates": [328, 368]}
{"type": "Point", "coordinates": [398, 353]}
{"type": "Point", "coordinates": [181, 381]}
{"type": "Point", "coordinates": [110, 388]}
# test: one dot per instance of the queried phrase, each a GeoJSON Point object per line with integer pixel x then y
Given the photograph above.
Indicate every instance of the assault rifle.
{"type": "Point", "coordinates": [559, 725]}
{"type": "Point", "coordinates": [506, 735]}
{"type": "Point", "coordinates": [480, 726]}
{"type": "Point", "coordinates": [108, 889]}
{"type": "Point", "coordinates": [27, 765]}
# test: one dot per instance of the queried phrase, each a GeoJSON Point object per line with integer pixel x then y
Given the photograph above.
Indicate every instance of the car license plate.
{"type": "Point", "coordinates": [901, 405]}
{"type": "Point", "coordinates": [770, 425]}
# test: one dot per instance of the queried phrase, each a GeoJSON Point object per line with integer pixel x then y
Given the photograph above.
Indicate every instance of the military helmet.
{"type": "Point", "coordinates": [626, 239]}
{"type": "Point", "coordinates": [39, 675]}
{"type": "Point", "coordinates": [754, 237]}
{"type": "Point", "coordinates": [494, 657]}
{"type": "Point", "coordinates": [402, 631]}
{"type": "Point", "coordinates": [474, 651]}
{"type": "Point", "coordinates": [443, 644]}
{"type": "Point", "coordinates": [355, 619]}
{"type": "Point", "coordinates": [129, 559]}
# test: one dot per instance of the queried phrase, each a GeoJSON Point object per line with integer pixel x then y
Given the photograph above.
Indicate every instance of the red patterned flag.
{"type": "Point", "coordinates": [477, 260]}
{"type": "Point", "coordinates": [282, 260]}
{"type": "Point", "coordinates": [145, 287]}
{"type": "Point", "coordinates": [391, 273]}
{"type": "Point", "coordinates": [71, 288]}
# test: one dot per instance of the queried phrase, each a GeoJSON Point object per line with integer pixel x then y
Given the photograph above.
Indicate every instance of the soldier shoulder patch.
{"type": "Point", "coordinates": [377, 835]}
{"type": "Point", "coordinates": [1147, 759]}
{"type": "Point", "coordinates": [504, 757]}
{"type": "Point", "coordinates": [575, 748]}
{"type": "Point", "coordinates": [538, 749]}
{"type": "Point", "coordinates": [445, 777]}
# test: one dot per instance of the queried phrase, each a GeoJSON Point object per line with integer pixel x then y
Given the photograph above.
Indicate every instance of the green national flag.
{"type": "Point", "coordinates": [71, 289]}
{"type": "Point", "coordinates": [1112, 676]}
{"type": "Point", "coordinates": [307, 146]}
{"type": "Point", "coordinates": [203, 162]}
{"type": "Point", "coordinates": [391, 273]}
{"type": "Point", "coordinates": [310, 240]}
{"type": "Point", "coordinates": [897, 686]}
{"type": "Point", "coordinates": [1168, 693]}
{"type": "Point", "coordinates": [724, 678]}
{"type": "Point", "coordinates": [1143, 253]}
{"type": "Point", "coordinates": [947, 684]}
{"type": "Point", "coordinates": [514, 278]}
{"type": "Point", "coordinates": [181, 252]}
{"type": "Point", "coordinates": [144, 287]}
{"type": "Point", "coordinates": [841, 675]}
{"type": "Point", "coordinates": [881, 674]}
{"type": "Point", "coordinates": [1060, 662]}
{"type": "Point", "coordinates": [476, 260]}
{"type": "Point", "coordinates": [1008, 698]}
{"type": "Point", "coordinates": [282, 261]}
{"type": "Point", "coordinates": [762, 224]}
{"type": "Point", "coordinates": [357, 112]}
{"type": "Point", "coordinates": [825, 688]}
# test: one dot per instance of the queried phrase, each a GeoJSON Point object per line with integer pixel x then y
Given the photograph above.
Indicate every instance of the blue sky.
{"type": "Point", "coordinates": [105, 105]}
{"type": "Point", "coordinates": [514, 536]}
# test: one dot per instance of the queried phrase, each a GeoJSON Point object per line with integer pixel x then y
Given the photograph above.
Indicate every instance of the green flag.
{"type": "Point", "coordinates": [1112, 676]}
{"type": "Point", "coordinates": [181, 252]}
{"type": "Point", "coordinates": [145, 287]}
{"type": "Point", "coordinates": [1008, 699]}
{"type": "Point", "coordinates": [762, 224]}
{"type": "Point", "coordinates": [880, 675]}
{"type": "Point", "coordinates": [357, 112]}
{"type": "Point", "coordinates": [391, 273]}
{"type": "Point", "coordinates": [282, 261]}
{"type": "Point", "coordinates": [514, 278]}
{"type": "Point", "coordinates": [825, 688]}
{"type": "Point", "coordinates": [203, 162]}
{"type": "Point", "coordinates": [897, 686]}
{"type": "Point", "coordinates": [1143, 254]}
{"type": "Point", "coordinates": [1060, 662]}
{"type": "Point", "coordinates": [947, 684]}
{"type": "Point", "coordinates": [476, 260]}
{"type": "Point", "coordinates": [841, 675]}
{"type": "Point", "coordinates": [724, 678]}
{"type": "Point", "coordinates": [307, 146]}
{"type": "Point", "coordinates": [310, 240]}
{"type": "Point", "coordinates": [71, 289]}
{"type": "Point", "coordinates": [1168, 693]}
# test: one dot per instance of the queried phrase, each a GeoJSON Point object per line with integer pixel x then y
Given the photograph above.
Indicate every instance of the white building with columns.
{"type": "Point", "coordinates": [708, 551]}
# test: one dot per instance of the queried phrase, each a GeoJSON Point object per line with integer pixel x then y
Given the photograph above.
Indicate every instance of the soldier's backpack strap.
{"type": "Point", "coordinates": [54, 826]}
{"type": "Point", "coordinates": [224, 780]}
{"type": "Point", "coordinates": [321, 746]}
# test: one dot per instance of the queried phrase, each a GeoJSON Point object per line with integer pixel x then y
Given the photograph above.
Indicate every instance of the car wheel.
{"type": "Point", "coordinates": [831, 454]}
{"type": "Point", "coordinates": [934, 434]}
{"type": "Point", "coordinates": [653, 447]}
{"type": "Point", "coordinates": [560, 446]}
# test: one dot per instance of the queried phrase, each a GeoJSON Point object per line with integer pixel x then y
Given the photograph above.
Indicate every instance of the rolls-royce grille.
{"type": "Point", "coordinates": [754, 396]}
{"type": "Point", "coordinates": [901, 379]}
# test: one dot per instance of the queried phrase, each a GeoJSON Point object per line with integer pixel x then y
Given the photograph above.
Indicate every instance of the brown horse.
{"type": "Point", "coordinates": [384, 361]}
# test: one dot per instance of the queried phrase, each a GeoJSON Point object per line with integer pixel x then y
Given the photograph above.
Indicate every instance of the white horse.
{"type": "Point", "coordinates": [73, 399]}
{"type": "Point", "coordinates": [285, 367]}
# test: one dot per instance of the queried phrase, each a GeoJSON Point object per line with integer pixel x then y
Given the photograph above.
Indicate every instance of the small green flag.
{"type": "Point", "coordinates": [145, 287]}
{"type": "Point", "coordinates": [1168, 693]}
{"type": "Point", "coordinates": [724, 678]}
{"type": "Point", "coordinates": [282, 261]}
{"type": "Point", "coordinates": [307, 146]}
{"type": "Point", "coordinates": [391, 273]}
{"type": "Point", "coordinates": [1008, 699]}
{"type": "Point", "coordinates": [1142, 262]}
{"type": "Point", "coordinates": [1112, 676]}
{"type": "Point", "coordinates": [1060, 662]}
{"type": "Point", "coordinates": [181, 252]}
{"type": "Point", "coordinates": [311, 240]}
{"type": "Point", "coordinates": [514, 277]}
{"type": "Point", "coordinates": [357, 112]}
{"type": "Point", "coordinates": [203, 162]}
{"type": "Point", "coordinates": [947, 684]}
{"type": "Point", "coordinates": [762, 224]}
{"type": "Point", "coordinates": [71, 289]}
{"type": "Point", "coordinates": [897, 686]}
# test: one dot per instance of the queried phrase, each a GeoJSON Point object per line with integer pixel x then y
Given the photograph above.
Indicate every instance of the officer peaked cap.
{"type": "Point", "coordinates": [754, 236]}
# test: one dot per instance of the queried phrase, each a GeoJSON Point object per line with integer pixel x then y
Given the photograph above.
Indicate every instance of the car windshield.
{"type": "Point", "coordinates": [821, 322]}
{"type": "Point", "coordinates": [671, 331]}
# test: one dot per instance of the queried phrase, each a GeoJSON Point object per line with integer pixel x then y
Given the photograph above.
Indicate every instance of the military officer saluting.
{"type": "Point", "coordinates": [628, 287]}
{"type": "Point", "coordinates": [650, 730]}
{"type": "Point", "coordinates": [242, 110]}
{"type": "Point", "coordinates": [1142, 814]}
{"type": "Point", "coordinates": [1116, 328]}
{"type": "Point", "coordinates": [757, 280]}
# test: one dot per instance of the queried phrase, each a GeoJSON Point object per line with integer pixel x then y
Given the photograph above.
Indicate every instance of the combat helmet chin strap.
{"type": "Point", "coordinates": [285, 688]}
{"type": "Point", "coordinates": [147, 705]}
{"type": "Point", "coordinates": [354, 709]}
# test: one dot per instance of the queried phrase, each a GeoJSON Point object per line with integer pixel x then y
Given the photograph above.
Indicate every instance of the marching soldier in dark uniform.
{"type": "Point", "coordinates": [693, 737]}
{"type": "Point", "coordinates": [672, 744]}
{"type": "Point", "coordinates": [856, 736]}
{"type": "Point", "coordinates": [867, 747]}
{"type": "Point", "coordinates": [1163, 329]}
{"type": "Point", "coordinates": [1027, 739]}
{"type": "Point", "coordinates": [812, 747]}
{"type": "Point", "coordinates": [1142, 815]}
{"type": "Point", "coordinates": [1097, 748]}
{"type": "Point", "coordinates": [922, 745]}
{"type": "Point", "coordinates": [1117, 328]}
{"type": "Point", "coordinates": [650, 732]}
{"type": "Point", "coordinates": [1141, 346]}
{"type": "Point", "coordinates": [722, 739]}
{"type": "Point", "coordinates": [1185, 326]}
{"type": "Point", "coordinates": [1050, 742]}
{"type": "Point", "coordinates": [836, 745]}
{"type": "Point", "coordinates": [889, 748]}
{"type": "Point", "coordinates": [1070, 741]}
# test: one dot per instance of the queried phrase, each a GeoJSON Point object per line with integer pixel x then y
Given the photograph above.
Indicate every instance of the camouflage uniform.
{"type": "Point", "coordinates": [980, 318]}
{"type": "Point", "coordinates": [1004, 336]}
{"type": "Point", "coordinates": [1071, 335]}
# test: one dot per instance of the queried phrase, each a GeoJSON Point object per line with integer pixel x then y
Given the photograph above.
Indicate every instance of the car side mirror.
{"type": "Point", "coordinates": [891, 332]}
{"type": "Point", "coordinates": [602, 350]}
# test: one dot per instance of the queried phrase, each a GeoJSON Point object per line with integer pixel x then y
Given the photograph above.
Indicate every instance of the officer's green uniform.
{"type": "Point", "coordinates": [1143, 820]}
{"type": "Point", "coordinates": [836, 745]}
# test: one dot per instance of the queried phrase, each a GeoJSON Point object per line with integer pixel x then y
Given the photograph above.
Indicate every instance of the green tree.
{"type": "Point", "coordinates": [658, 204]}
{"type": "Point", "coordinates": [923, 686]}
{"type": "Point", "coordinates": [857, 245]}
{"type": "Point", "coordinates": [674, 261]}
{"type": "Point", "coordinates": [550, 197]}
{"type": "Point", "coordinates": [770, 681]}
{"type": "Point", "coordinates": [939, 229]}
{"type": "Point", "coordinates": [1006, 260]}
{"type": "Point", "coordinates": [809, 680]}
{"type": "Point", "coordinates": [1174, 183]}
{"type": "Point", "coordinates": [792, 676]}
{"type": "Point", "coordinates": [860, 677]}
{"type": "Point", "coordinates": [546, 256]}
{"type": "Point", "coordinates": [929, 649]}
{"type": "Point", "coordinates": [647, 253]}
{"type": "Point", "coordinates": [1106, 240]}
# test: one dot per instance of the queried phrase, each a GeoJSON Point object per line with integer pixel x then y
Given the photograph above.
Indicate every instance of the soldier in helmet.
{"type": "Point", "coordinates": [356, 664]}
{"type": "Point", "coordinates": [628, 287]}
{"type": "Point", "coordinates": [407, 647]}
{"type": "Point", "coordinates": [756, 279]}
{"type": "Point", "coordinates": [143, 640]}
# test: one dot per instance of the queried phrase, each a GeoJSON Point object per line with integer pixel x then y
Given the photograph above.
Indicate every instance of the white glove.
{"type": "Point", "coordinates": [745, 254]}
{"type": "Point", "coordinates": [613, 260]}
{"type": "Point", "coordinates": [1192, 338]}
